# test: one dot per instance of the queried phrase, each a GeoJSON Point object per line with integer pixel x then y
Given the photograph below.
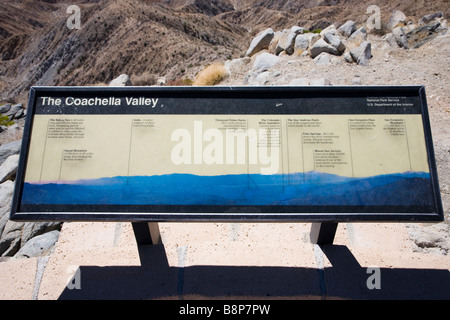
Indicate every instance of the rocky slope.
{"type": "Point", "coordinates": [171, 38]}
{"type": "Point", "coordinates": [129, 36]}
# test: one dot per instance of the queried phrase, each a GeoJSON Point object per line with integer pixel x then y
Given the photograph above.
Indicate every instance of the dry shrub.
{"type": "Point", "coordinates": [211, 75]}
{"type": "Point", "coordinates": [298, 52]}
{"type": "Point", "coordinates": [145, 79]}
{"type": "Point", "coordinates": [180, 82]}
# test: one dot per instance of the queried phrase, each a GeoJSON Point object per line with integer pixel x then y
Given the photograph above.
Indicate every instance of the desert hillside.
{"type": "Point", "coordinates": [170, 38]}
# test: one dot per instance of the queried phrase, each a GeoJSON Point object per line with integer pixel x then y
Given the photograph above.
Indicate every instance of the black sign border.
{"type": "Point", "coordinates": [230, 213]}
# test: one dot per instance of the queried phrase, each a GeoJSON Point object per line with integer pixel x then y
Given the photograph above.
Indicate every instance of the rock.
{"type": "Point", "coordinates": [15, 112]}
{"type": "Point", "coordinates": [347, 28]}
{"type": "Point", "coordinates": [320, 82]}
{"type": "Point", "coordinates": [10, 244]}
{"type": "Point", "coordinates": [39, 245]}
{"type": "Point", "coordinates": [313, 38]}
{"type": "Point", "coordinates": [265, 61]}
{"type": "Point", "coordinates": [440, 42]}
{"type": "Point", "coordinates": [433, 238]}
{"type": "Point", "coordinates": [161, 81]}
{"type": "Point", "coordinates": [9, 149]}
{"type": "Point", "coordinates": [19, 114]}
{"type": "Point", "coordinates": [121, 81]}
{"type": "Point", "coordinates": [299, 82]}
{"type": "Point", "coordinates": [6, 191]}
{"type": "Point", "coordinates": [330, 29]}
{"type": "Point", "coordinates": [301, 43]}
{"type": "Point", "coordinates": [322, 59]}
{"type": "Point", "coordinates": [12, 133]}
{"type": "Point", "coordinates": [322, 46]}
{"type": "Point", "coordinates": [261, 79]}
{"type": "Point", "coordinates": [9, 231]}
{"type": "Point", "coordinates": [19, 110]}
{"type": "Point", "coordinates": [444, 26]}
{"type": "Point", "coordinates": [335, 60]}
{"type": "Point", "coordinates": [348, 57]}
{"type": "Point", "coordinates": [260, 42]}
{"type": "Point", "coordinates": [409, 27]}
{"type": "Point", "coordinates": [273, 44]}
{"type": "Point", "coordinates": [236, 65]}
{"type": "Point", "coordinates": [5, 108]}
{"type": "Point", "coordinates": [33, 229]}
{"type": "Point", "coordinates": [8, 168]}
{"type": "Point", "coordinates": [287, 39]}
{"type": "Point", "coordinates": [419, 36]}
{"type": "Point", "coordinates": [282, 41]}
{"type": "Point", "coordinates": [362, 54]}
{"type": "Point", "coordinates": [390, 39]}
{"type": "Point", "coordinates": [430, 17]}
{"type": "Point", "coordinates": [10, 238]}
{"type": "Point", "coordinates": [400, 37]}
{"type": "Point", "coordinates": [397, 19]}
{"type": "Point", "coordinates": [334, 40]}
{"type": "Point", "coordinates": [12, 226]}
{"type": "Point", "coordinates": [359, 35]}
{"type": "Point", "coordinates": [297, 30]}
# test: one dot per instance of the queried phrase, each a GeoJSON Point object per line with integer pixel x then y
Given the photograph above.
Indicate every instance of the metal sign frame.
{"type": "Point", "coordinates": [230, 101]}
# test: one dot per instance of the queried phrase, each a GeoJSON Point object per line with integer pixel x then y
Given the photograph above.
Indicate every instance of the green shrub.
{"type": "Point", "coordinates": [4, 121]}
{"type": "Point", "coordinates": [313, 31]}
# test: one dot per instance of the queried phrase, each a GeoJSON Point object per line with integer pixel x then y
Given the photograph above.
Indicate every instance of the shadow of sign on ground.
{"type": "Point", "coordinates": [346, 279]}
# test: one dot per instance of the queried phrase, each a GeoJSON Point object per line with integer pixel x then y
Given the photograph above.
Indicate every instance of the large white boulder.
{"type": "Point", "coordinates": [301, 43]}
{"type": "Point", "coordinates": [397, 18]}
{"type": "Point", "coordinates": [322, 46]}
{"type": "Point", "coordinates": [8, 168]}
{"type": "Point", "coordinates": [400, 37]}
{"type": "Point", "coordinates": [121, 81]}
{"type": "Point", "coordinates": [287, 40]}
{"type": "Point", "coordinates": [335, 41]}
{"type": "Point", "coordinates": [265, 61]}
{"type": "Point", "coordinates": [347, 28]}
{"type": "Point", "coordinates": [260, 42]}
{"type": "Point", "coordinates": [362, 54]}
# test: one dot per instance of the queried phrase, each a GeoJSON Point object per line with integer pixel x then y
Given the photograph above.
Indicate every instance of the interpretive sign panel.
{"type": "Point", "coordinates": [227, 153]}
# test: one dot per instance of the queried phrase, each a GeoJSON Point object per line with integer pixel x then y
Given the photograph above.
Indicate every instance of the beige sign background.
{"type": "Point", "coordinates": [74, 147]}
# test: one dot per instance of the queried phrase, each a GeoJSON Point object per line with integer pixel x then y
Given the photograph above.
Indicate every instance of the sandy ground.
{"type": "Point", "coordinates": [259, 260]}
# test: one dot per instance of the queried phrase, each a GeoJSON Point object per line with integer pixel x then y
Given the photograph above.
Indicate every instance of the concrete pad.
{"type": "Point", "coordinates": [17, 278]}
{"type": "Point", "coordinates": [96, 260]}
{"type": "Point", "coordinates": [259, 244]}
{"type": "Point", "coordinates": [83, 244]}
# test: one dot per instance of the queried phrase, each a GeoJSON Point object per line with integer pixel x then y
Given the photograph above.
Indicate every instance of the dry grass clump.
{"type": "Point", "coordinates": [211, 75]}
{"type": "Point", "coordinates": [180, 82]}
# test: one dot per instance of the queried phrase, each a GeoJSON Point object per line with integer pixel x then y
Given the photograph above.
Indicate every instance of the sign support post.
{"type": "Point", "coordinates": [323, 232]}
{"type": "Point", "coordinates": [146, 233]}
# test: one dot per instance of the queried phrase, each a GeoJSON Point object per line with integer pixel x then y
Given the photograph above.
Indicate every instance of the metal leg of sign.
{"type": "Point", "coordinates": [323, 232]}
{"type": "Point", "coordinates": [146, 233]}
